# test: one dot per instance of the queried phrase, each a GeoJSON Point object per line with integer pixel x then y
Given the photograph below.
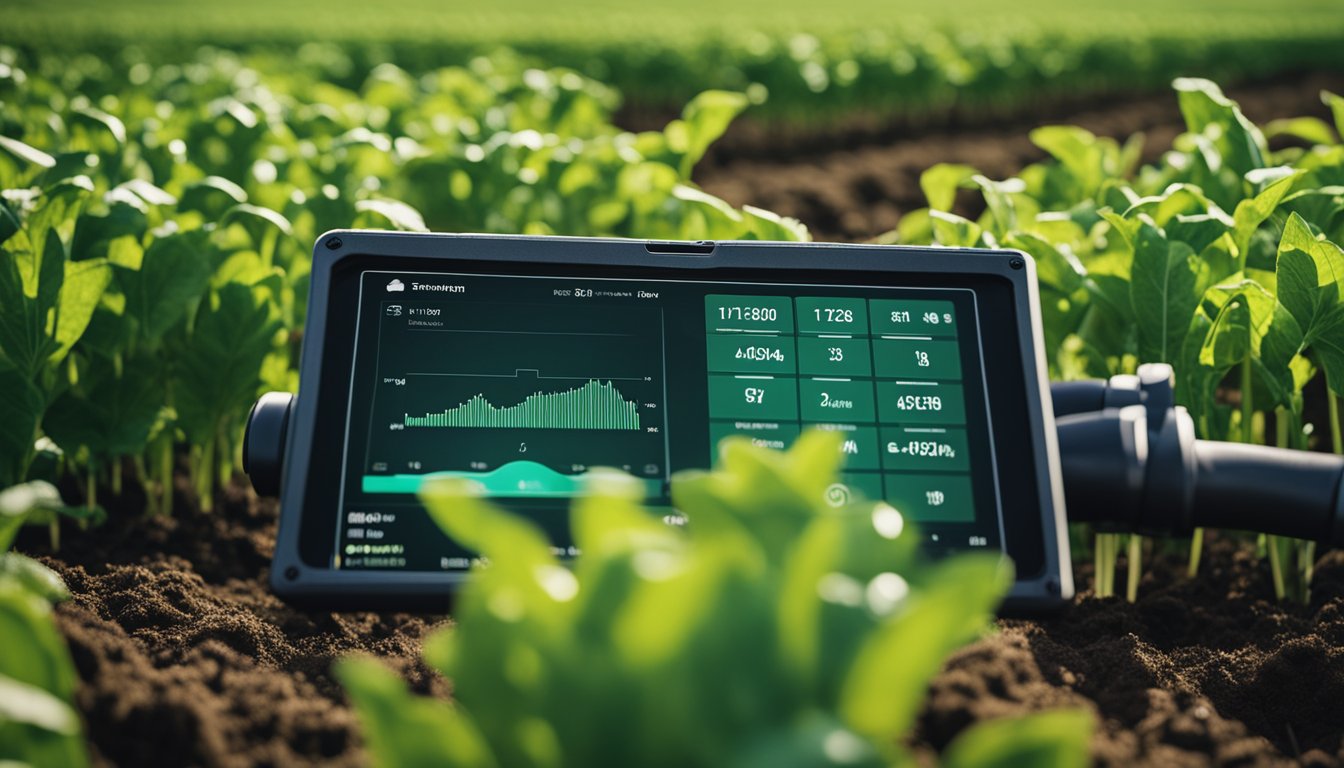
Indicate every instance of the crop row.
{"type": "Point", "coordinates": [1223, 260]}
{"type": "Point", "coordinates": [859, 59]}
{"type": "Point", "coordinates": [155, 237]}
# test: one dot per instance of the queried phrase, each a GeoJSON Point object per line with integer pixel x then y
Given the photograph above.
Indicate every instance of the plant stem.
{"type": "Point", "coordinates": [1272, 542]}
{"type": "Point", "coordinates": [166, 475]}
{"type": "Point", "coordinates": [1135, 557]}
{"type": "Point", "coordinates": [1247, 404]}
{"type": "Point", "coordinates": [1196, 549]}
{"type": "Point", "coordinates": [205, 476]}
{"type": "Point", "coordinates": [1102, 564]}
{"type": "Point", "coordinates": [1336, 439]}
{"type": "Point", "coordinates": [1306, 565]}
{"type": "Point", "coordinates": [1275, 565]}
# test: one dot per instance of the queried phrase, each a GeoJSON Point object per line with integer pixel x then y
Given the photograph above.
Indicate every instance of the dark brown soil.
{"type": "Point", "coordinates": [854, 184]}
{"type": "Point", "coordinates": [187, 659]}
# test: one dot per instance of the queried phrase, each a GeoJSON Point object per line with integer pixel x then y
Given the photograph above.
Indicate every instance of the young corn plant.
{"type": "Point", "coordinates": [772, 629]}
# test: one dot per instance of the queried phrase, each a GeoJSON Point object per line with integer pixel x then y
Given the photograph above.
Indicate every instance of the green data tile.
{"type": "Point", "coordinates": [728, 314]}
{"type": "Point", "coordinates": [932, 498]}
{"type": "Point", "coordinates": [857, 444]}
{"type": "Point", "coordinates": [920, 318]}
{"type": "Point", "coordinates": [753, 397]}
{"type": "Point", "coordinates": [764, 434]}
{"type": "Point", "coordinates": [842, 400]}
{"type": "Point", "coordinates": [854, 486]}
{"type": "Point", "coordinates": [743, 353]}
{"type": "Point", "coordinates": [916, 358]}
{"type": "Point", "coordinates": [821, 315]}
{"type": "Point", "coordinates": [824, 356]}
{"type": "Point", "coordinates": [921, 448]}
{"type": "Point", "coordinates": [915, 402]}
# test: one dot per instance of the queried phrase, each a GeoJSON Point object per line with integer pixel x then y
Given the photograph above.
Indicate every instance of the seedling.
{"type": "Point", "coordinates": [771, 627]}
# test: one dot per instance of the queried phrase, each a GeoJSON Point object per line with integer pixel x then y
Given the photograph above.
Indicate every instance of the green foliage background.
{"type": "Point", "coordinates": [817, 63]}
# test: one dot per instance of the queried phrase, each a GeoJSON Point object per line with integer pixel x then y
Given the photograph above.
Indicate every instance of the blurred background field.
{"type": "Point", "coordinates": [819, 64]}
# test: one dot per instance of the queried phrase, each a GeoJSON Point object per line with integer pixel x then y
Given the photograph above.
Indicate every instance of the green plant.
{"type": "Point", "coordinates": [155, 226]}
{"type": "Point", "coordinates": [772, 629]}
{"type": "Point", "coordinates": [38, 726]}
{"type": "Point", "coordinates": [859, 61]}
{"type": "Point", "coordinates": [1222, 259]}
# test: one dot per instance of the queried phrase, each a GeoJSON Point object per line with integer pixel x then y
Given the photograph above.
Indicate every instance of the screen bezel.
{"type": "Point", "coordinates": [1004, 281]}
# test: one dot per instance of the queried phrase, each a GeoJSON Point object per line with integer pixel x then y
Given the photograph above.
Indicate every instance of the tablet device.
{"type": "Point", "coordinates": [522, 362]}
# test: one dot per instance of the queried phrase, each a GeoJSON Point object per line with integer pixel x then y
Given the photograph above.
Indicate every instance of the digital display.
{"type": "Point", "coordinates": [524, 384]}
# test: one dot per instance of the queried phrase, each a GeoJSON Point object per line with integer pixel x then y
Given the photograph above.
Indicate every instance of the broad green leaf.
{"type": "Point", "coordinates": [1253, 211]}
{"type": "Point", "coordinates": [33, 576]}
{"type": "Point", "coordinates": [1163, 294]}
{"type": "Point", "coordinates": [941, 181]}
{"type": "Point", "coordinates": [1309, 274]}
{"type": "Point", "coordinates": [20, 163]}
{"type": "Point", "coordinates": [716, 220]}
{"type": "Point", "coordinates": [396, 214]}
{"type": "Point", "coordinates": [10, 224]}
{"type": "Point", "coordinates": [21, 405]}
{"type": "Point", "coordinates": [816, 741]}
{"type": "Point", "coordinates": [218, 371]}
{"type": "Point", "coordinates": [1176, 202]}
{"type": "Point", "coordinates": [703, 121]}
{"type": "Point", "coordinates": [125, 218]}
{"type": "Point", "coordinates": [81, 290]}
{"type": "Point", "coordinates": [767, 225]}
{"type": "Point", "coordinates": [1198, 231]}
{"type": "Point", "coordinates": [1229, 341]}
{"type": "Point", "coordinates": [257, 220]}
{"type": "Point", "coordinates": [1336, 105]}
{"type": "Point", "coordinates": [211, 197]}
{"type": "Point", "coordinates": [111, 412]}
{"type": "Point", "coordinates": [1055, 739]}
{"type": "Point", "coordinates": [29, 705]}
{"type": "Point", "coordinates": [49, 228]}
{"type": "Point", "coordinates": [1000, 197]}
{"type": "Point", "coordinates": [456, 506]}
{"type": "Point", "coordinates": [1328, 347]}
{"type": "Point", "coordinates": [1323, 207]}
{"type": "Point", "coordinates": [1250, 325]}
{"type": "Point", "coordinates": [24, 338]}
{"type": "Point", "coordinates": [1239, 144]}
{"type": "Point", "coordinates": [105, 132]}
{"type": "Point", "coordinates": [149, 192]}
{"type": "Point", "coordinates": [1056, 266]}
{"type": "Point", "coordinates": [885, 687]}
{"type": "Point", "coordinates": [1312, 130]}
{"type": "Point", "coordinates": [953, 231]}
{"type": "Point", "coordinates": [28, 154]}
{"type": "Point", "coordinates": [34, 651]}
{"type": "Point", "coordinates": [405, 731]}
{"type": "Point", "coordinates": [19, 502]}
{"type": "Point", "coordinates": [173, 275]}
{"type": "Point", "coordinates": [1077, 150]}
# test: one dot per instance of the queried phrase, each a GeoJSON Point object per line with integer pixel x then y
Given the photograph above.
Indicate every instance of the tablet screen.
{"type": "Point", "coordinates": [523, 384]}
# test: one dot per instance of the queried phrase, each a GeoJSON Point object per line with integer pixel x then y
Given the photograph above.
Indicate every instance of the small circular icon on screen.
{"type": "Point", "coordinates": [837, 494]}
